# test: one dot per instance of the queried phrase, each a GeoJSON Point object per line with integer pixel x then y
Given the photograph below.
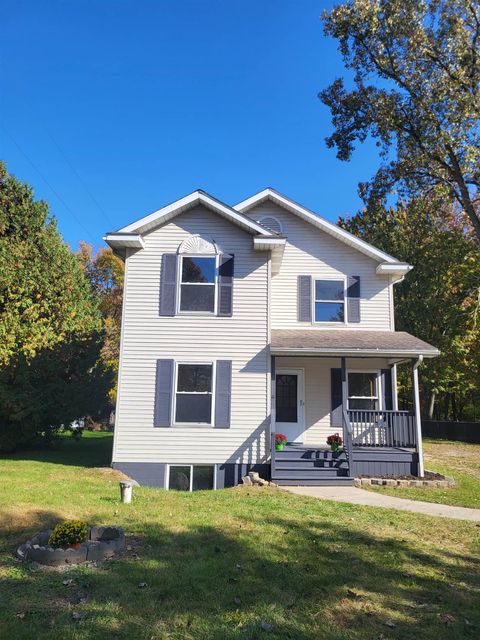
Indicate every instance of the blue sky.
{"type": "Point", "coordinates": [113, 108]}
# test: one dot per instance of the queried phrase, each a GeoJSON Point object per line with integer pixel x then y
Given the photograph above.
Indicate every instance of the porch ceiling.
{"type": "Point", "coordinates": [346, 342]}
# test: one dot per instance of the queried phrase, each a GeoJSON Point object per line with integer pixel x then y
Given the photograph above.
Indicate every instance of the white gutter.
{"type": "Point", "coordinates": [418, 421]}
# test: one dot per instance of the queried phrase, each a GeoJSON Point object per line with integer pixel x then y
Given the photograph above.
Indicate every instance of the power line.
{"type": "Point", "coordinates": [79, 177]}
{"type": "Point", "coordinates": [54, 191]}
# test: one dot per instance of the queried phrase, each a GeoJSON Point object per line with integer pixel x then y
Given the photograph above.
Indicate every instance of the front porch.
{"type": "Point", "coordinates": [315, 394]}
{"type": "Point", "coordinates": [317, 465]}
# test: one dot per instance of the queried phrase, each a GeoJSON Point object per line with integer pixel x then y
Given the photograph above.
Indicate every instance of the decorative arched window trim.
{"type": "Point", "coordinates": [196, 245]}
{"type": "Point", "coordinates": [276, 220]}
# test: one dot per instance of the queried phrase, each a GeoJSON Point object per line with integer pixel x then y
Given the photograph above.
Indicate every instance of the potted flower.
{"type": "Point", "coordinates": [335, 442]}
{"type": "Point", "coordinates": [69, 534]}
{"type": "Point", "coordinates": [280, 441]}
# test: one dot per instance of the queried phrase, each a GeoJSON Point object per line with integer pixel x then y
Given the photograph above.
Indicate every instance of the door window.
{"type": "Point", "coordinates": [286, 406]}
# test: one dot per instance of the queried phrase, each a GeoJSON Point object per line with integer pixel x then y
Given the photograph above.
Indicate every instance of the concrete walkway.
{"type": "Point", "coordinates": [373, 499]}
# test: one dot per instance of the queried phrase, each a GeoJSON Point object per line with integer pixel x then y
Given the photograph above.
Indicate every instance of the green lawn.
{"type": "Point", "coordinates": [459, 460]}
{"type": "Point", "coordinates": [219, 565]}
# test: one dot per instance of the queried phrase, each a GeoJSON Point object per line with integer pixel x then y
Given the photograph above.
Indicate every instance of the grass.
{"type": "Point", "coordinates": [245, 563]}
{"type": "Point", "coordinates": [459, 460]}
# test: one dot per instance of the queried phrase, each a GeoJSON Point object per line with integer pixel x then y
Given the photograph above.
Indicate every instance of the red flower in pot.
{"type": "Point", "coordinates": [280, 441]}
{"type": "Point", "coordinates": [335, 442]}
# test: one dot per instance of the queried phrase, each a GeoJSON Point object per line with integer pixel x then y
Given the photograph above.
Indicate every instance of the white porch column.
{"type": "Point", "coordinates": [418, 420]}
{"type": "Point", "coordinates": [394, 388]}
{"type": "Point", "coordinates": [272, 395]}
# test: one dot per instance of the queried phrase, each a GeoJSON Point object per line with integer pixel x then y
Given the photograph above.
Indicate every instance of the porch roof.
{"type": "Point", "coordinates": [347, 342]}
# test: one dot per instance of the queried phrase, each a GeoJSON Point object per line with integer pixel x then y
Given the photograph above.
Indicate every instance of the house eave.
{"type": "Point", "coordinates": [317, 221]}
{"type": "Point", "coordinates": [124, 240]}
{"type": "Point", "coordinates": [163, 215]}
{"type": "Point", "coordinates": [352, 353]}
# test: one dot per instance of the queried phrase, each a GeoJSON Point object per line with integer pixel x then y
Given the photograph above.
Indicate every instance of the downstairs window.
{"type": "Point", "coordinates": [363, 390]}
{"type": "Point", "coordinates": [191, 477]}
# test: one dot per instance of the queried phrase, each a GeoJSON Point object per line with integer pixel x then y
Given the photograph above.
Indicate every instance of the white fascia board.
{"type": "Point", "coordinates": [124, 240]}
{"type": "Point", "coordinates": [277, 248]}
{"type": "Point", "coordinates": [263, 243]}
{"type": "Point", "coordinates": [397, 268]}
{"type": "Point", "coordinates": [197, 197]}
{"type": "Point", "coordinates": [353, 353]}
{"type": "Point", "coordinates": [309, 216]}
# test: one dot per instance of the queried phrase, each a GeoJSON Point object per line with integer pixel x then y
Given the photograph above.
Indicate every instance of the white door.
{"type": "Point", "coordinates": [290, 404]}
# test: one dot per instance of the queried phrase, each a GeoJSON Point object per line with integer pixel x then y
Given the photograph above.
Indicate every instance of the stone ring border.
{"type": "Point", "coordinates": [102, 543]}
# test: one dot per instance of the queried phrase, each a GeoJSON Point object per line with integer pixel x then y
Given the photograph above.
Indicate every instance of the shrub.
{"type": "Point", "coordinates": [68, 532]}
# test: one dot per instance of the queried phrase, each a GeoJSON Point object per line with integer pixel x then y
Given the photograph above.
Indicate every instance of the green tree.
{"type": "Point", "coordinates": [439, 300]}
{"type": "Point", "coordinates": [50, 325]}
{"type": "Point", "coordinates": [105, 271]}
{"type": "Point", "coordinates": [416, 71]}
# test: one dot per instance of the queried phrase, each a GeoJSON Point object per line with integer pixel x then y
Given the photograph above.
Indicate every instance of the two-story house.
{"type": "Point", "coordinates": [242, 322]}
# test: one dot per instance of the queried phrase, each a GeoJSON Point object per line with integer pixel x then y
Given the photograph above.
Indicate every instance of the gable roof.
{"type": "Point", "coordinates": [319, 222]}
{"type": "Point", "coordinates": [164, 214]}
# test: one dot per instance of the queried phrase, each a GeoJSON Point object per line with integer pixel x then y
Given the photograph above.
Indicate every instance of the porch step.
{"type": "Point", "coordinates": [308, 474]}
{"type": "Point", "coordinates": [309, 454]}
{"type": "Point", "coordinates": [318, 482]}
{"type": "Point", "coordinates": [295, 463]}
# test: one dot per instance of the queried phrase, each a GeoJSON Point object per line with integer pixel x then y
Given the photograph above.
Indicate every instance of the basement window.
{"type": "Point", "coordinates": [189, 477]}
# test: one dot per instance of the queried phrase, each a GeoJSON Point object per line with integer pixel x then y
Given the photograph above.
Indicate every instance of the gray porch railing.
{"type": "Point", "coordinates": [381, 428]}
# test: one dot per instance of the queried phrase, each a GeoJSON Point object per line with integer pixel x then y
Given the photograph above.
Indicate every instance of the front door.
{"type": "Point", "coordinates": [290, 404]}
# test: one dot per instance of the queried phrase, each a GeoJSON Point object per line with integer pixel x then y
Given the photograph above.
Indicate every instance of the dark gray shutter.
{"type": "Point", "coordinates": [387, 389]}
{"type": "Point", "coordinates": [225, 285]}
{"type": "Point", "coordinates": [353, 299]}
{"type": "Point", "coordinates": [163, 394]}
{"type": "Point", "coordinates": [304, 298]}
{"type": "Point", "coordinates": [168, 284]}
{"type": "Point", "coordinates": [336, 413]}
{"type": "Point", "coordinates": [223, 394]}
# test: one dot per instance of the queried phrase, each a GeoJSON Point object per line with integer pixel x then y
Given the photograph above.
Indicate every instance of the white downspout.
{"type": "Point", "coordinates": [418, 421]}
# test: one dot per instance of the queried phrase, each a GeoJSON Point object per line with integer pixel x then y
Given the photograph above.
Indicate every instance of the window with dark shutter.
{"type": "Point", "coordinates": [193, 393]}
{"type": "Point", "coordinates": [353, 299]}
{"type": "Point", "coordinates": [225, 285]}
{"type": "Point", "coordinates": [197, 283]}
{"type": "Point", "coordinates": [304, 285]}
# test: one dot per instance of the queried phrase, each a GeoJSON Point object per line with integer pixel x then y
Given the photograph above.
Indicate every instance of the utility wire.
{"type": "Point", "coordinates": [79, 177]}
{"type": "Point", "coordinates": [54, 191]}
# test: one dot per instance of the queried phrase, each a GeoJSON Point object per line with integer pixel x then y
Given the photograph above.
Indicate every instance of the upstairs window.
{"type": "Point", "coordinates": [363, 391]}
{"type": "Point", "coordinates": [193, 397]}
{"type": "Point", "coordinates": [329, 301]}
{"type": "Point", "coordinates": [198, 284]}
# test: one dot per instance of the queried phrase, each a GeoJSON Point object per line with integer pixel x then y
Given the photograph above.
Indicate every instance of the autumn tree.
{"type": "Point", "coordinates": [50, 324]}
{"type": "Point", "coordinates": [416, 68]}
{"type": "Point", "coordinates": [439, 300]}
{"type": "Point", "coordinates": [105, 271]}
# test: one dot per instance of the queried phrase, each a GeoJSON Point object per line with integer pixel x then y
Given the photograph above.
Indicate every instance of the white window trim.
{"type": "Point", "coordinates": [379, 396]}
{"type": "Point", "coordinates": [180, 257]}
{"type": "Point", "coordinates": [188, 464]}
{"type": "Point", "coordinates": [314, 300]}
{"type": "Point", "coordinates": [212, 394]}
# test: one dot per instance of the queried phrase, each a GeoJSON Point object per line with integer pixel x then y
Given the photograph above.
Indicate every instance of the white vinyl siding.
{"type": "Point", "coordinates": [318, 392]}
{"type": "Point", "coordinates": [147, 337]}
{"type": "Point", "coordinates": [310, 251]}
